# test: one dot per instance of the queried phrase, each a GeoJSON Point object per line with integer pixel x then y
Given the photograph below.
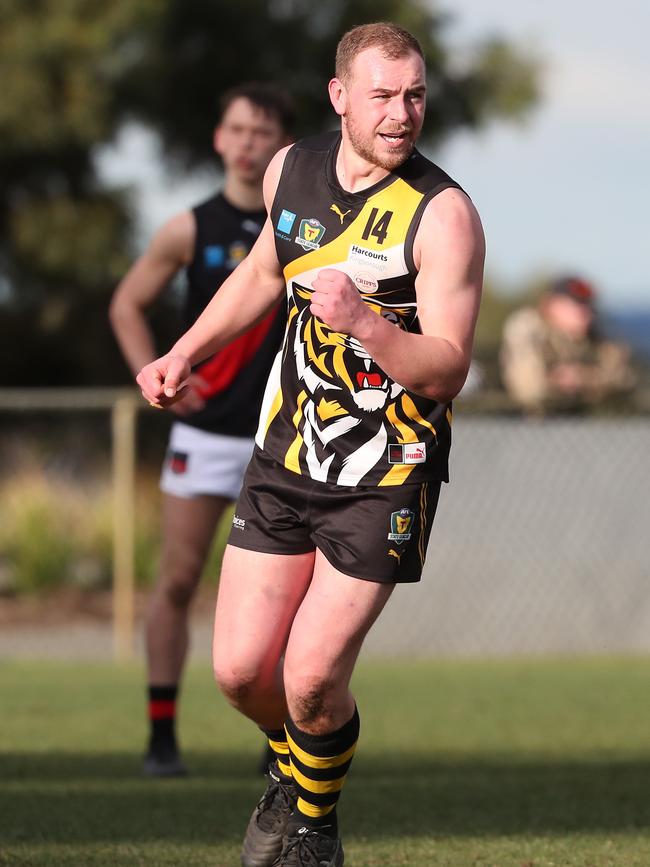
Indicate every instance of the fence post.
{"type": "Point", "coordinates": [123, 418]}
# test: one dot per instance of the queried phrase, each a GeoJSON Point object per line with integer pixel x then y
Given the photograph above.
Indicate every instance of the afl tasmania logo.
{"type": "Point", "coordinates": [366, 282]}
{"type": "Point", "coordinates": [309, 234]}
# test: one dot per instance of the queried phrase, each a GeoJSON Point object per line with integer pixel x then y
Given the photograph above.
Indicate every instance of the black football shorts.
{"type": "Point", "coordinates": [374, 533]}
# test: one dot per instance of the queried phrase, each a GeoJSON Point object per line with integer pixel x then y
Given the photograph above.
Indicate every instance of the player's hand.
{"type": "Point", "coordinates": [164, 381]}
{"type": "Point", "coordinates": [192, 399]}
{"type": "Point", "coordinates": [337, 303]}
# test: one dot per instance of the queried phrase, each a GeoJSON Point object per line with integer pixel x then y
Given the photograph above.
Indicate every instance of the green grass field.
{"type": "Point", "coordinates": [479, 764]}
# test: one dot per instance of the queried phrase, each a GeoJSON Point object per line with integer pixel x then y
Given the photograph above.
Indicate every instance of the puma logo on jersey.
{"type": "Point", "coordinates": [339, 213]}
{"type": "Point", "coordinates": [393, 553]}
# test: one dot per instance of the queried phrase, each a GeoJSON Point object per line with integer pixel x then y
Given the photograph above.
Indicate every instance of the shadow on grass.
{"type": "Point", "coordinates": [81, 798]}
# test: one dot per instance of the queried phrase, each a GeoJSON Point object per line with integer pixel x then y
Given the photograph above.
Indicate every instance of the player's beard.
{"type": "Point", "coordinates": [365, 146]}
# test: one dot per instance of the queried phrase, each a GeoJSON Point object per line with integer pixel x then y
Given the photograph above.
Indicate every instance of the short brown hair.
{"type": "Point", "coordinates": [274, 101]}
{"type": "Point", "coordinates": [394, 42]}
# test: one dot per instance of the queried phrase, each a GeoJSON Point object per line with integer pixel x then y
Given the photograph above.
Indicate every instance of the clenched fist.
{"type": "Point", "coordinates": [337, 303]}
{"type": "Point", "coordinates": [164, 381]}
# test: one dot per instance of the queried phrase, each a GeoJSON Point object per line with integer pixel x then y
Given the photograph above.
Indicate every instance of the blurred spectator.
{"type": "Point", "coordinates": [554, 360]}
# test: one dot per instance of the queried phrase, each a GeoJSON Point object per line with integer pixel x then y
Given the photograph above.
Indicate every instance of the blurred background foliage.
{"type": "Point", "coordinates": [75, 72]}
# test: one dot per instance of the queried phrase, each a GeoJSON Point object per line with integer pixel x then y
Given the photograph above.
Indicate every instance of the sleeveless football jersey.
{"type": "Point", "coordinates": [329, 411]}
{"type": "Point", "coordinates": [237, 374]}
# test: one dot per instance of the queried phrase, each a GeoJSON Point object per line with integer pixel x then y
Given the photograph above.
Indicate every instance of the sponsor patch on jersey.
{"type": "Point", "coordinates": [178, 462]}
{"type": "Point", "coordinates": [310, 233]}
{"type": "Point", "coordinates": [214, 256]}
{"type": "Point", "coordinates": [238, 523]}
{"type": "Point", "coordinates": [286, 221]}
{"type": "Point", "coordinates": [371, 258]}
{"type": "Point", "coordinates": [410, 453]}
{"type": "Point", "coordinates": [365, 282]}
{"type": "Point", "coordinates": [401, 524]}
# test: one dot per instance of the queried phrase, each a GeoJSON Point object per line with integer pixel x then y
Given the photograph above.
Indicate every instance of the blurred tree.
{"type": "Point", "coordinates": [74, 71]}
{"type": "Point", "coordinates": [199, 49]}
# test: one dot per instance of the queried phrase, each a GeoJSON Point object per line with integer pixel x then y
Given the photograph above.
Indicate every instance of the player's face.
{"type": "Point", "coordinates": [247, 139]}
{"type": "Point", "coordinates": [384, 102]}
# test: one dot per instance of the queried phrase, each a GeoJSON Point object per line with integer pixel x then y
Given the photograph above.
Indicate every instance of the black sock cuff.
{"type": "Point", "coordinates": [332, 743]}
{"type": "Point", "coordinates": [168, 692]}
{"type": "Point", "coordinates": [275, 734]}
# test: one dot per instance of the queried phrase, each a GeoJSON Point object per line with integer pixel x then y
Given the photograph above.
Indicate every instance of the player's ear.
{"type": "Point", "coordinates": [338, 95]}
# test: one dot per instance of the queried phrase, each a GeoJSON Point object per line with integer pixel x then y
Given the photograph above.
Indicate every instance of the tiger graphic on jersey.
{"type": "Point", "coordinates": [330, 412]}
{"type": "Point", "coordinates": [342, 387]}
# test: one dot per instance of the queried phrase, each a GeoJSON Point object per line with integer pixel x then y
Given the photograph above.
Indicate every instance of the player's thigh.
{"type": "Point", "coordinates": [258, 597]}
{"type": "Point", "coordinates": [329, 627]}
{"type": "Point", "coordinates": [187, 528]}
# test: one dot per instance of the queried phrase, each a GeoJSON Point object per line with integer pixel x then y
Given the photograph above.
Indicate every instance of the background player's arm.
{"type": "Point", "coordinates": [449, 252]}
{"type": "Point", "coordinates": [244, 299]}
{"type": "Point", "coordinates": [171, 249]}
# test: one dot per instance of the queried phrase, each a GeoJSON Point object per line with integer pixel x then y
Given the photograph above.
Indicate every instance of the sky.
{"type": "Point", "coordinates": [568, 190]}
{"type": "Point", "coordinates": [565, 191]}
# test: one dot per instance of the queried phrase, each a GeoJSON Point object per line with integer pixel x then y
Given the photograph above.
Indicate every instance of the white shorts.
{"type": "Point", "coordinates": [198, 462]}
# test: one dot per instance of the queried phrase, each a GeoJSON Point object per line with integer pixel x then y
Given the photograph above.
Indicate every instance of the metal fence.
{"type": "Point", "coordinates": [541, 544]}
{"type": "Point", "coordinates": [123, 406]}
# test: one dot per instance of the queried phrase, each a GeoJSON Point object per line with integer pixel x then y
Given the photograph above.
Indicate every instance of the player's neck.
{"type": "Point", "coordinates": [355, 173]}
{"type": "Point", "coordinates": [246, 197]}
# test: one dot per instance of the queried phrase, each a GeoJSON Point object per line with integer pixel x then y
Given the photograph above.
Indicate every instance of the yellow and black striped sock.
{"type": "Point", "coordinates": [278, 743]}
{"type": "Point", "coordinates": [319, 764]}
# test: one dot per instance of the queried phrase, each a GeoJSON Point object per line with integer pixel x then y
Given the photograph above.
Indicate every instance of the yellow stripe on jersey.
{"type": "Point", "coordinates": [274, 410]}
{"type": "Point", "coordinates": [398, 473]}
{"type": "Point", "coordinates": [406, 434]}
{"type": "Point", "coordinates": [276, 405]}
{"type": "Point", "coordinates": [318, 762]}
{"type": "Point", "coordinates": [399, 197]}
{"type": "Point", "coordinates": [424, 491]}
{"type": "Point", "coordinates": [411, 411]}
{"type": "Point", "coordinates": [449, 416]}
{"type": "Point", "coordinates": [318, 360]}
{"type": "Point", "coordinates": [291, 461]}
{"type": "Point", "coordinates": [318, 787]}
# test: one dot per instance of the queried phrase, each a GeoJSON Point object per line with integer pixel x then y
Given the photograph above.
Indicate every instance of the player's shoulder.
{"type": "Point", "coordinates": [304, 155]}
{"type": "Point", "coordinates": [451, 217]}
{"type": "Point", "coordinates": [425, 176]}
{"type": "Point", "coordinates": [215, 204]}
{"type": "Point", "coordinates": [319, 143]}
{"type": "Point", "coordinates": [176, 237]}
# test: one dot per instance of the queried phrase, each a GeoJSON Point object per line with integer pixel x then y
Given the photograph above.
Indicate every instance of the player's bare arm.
{"type": "Point", "coordinates": [170, 249]}
{"type": "Point", "coordinates": [449, 253]}
{"type": "Point", "coordinates": [244, 299]}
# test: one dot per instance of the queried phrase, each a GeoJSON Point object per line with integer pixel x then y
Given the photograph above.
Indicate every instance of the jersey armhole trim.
{"type": "Point", "coordinates": [409, 241]}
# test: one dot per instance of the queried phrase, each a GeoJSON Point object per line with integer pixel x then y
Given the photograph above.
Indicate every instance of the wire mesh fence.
{"type": "Point", "coordinates": [540, 544]}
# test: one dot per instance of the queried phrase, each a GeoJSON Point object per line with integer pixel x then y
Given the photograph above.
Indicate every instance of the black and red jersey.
{"type": "Point", "coordinates": [237, 374]}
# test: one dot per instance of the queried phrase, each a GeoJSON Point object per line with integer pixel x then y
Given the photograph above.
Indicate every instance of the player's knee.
{"type": "Point", "coordinates": [237, 684]}
{"type": "Point", "coordinates": [179, 584]}
{"type": "Point", "coordinates": [310, 699]}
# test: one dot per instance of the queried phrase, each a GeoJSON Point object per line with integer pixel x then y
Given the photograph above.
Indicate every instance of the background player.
{"type": "Point", "coordinates": [212, 440]}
